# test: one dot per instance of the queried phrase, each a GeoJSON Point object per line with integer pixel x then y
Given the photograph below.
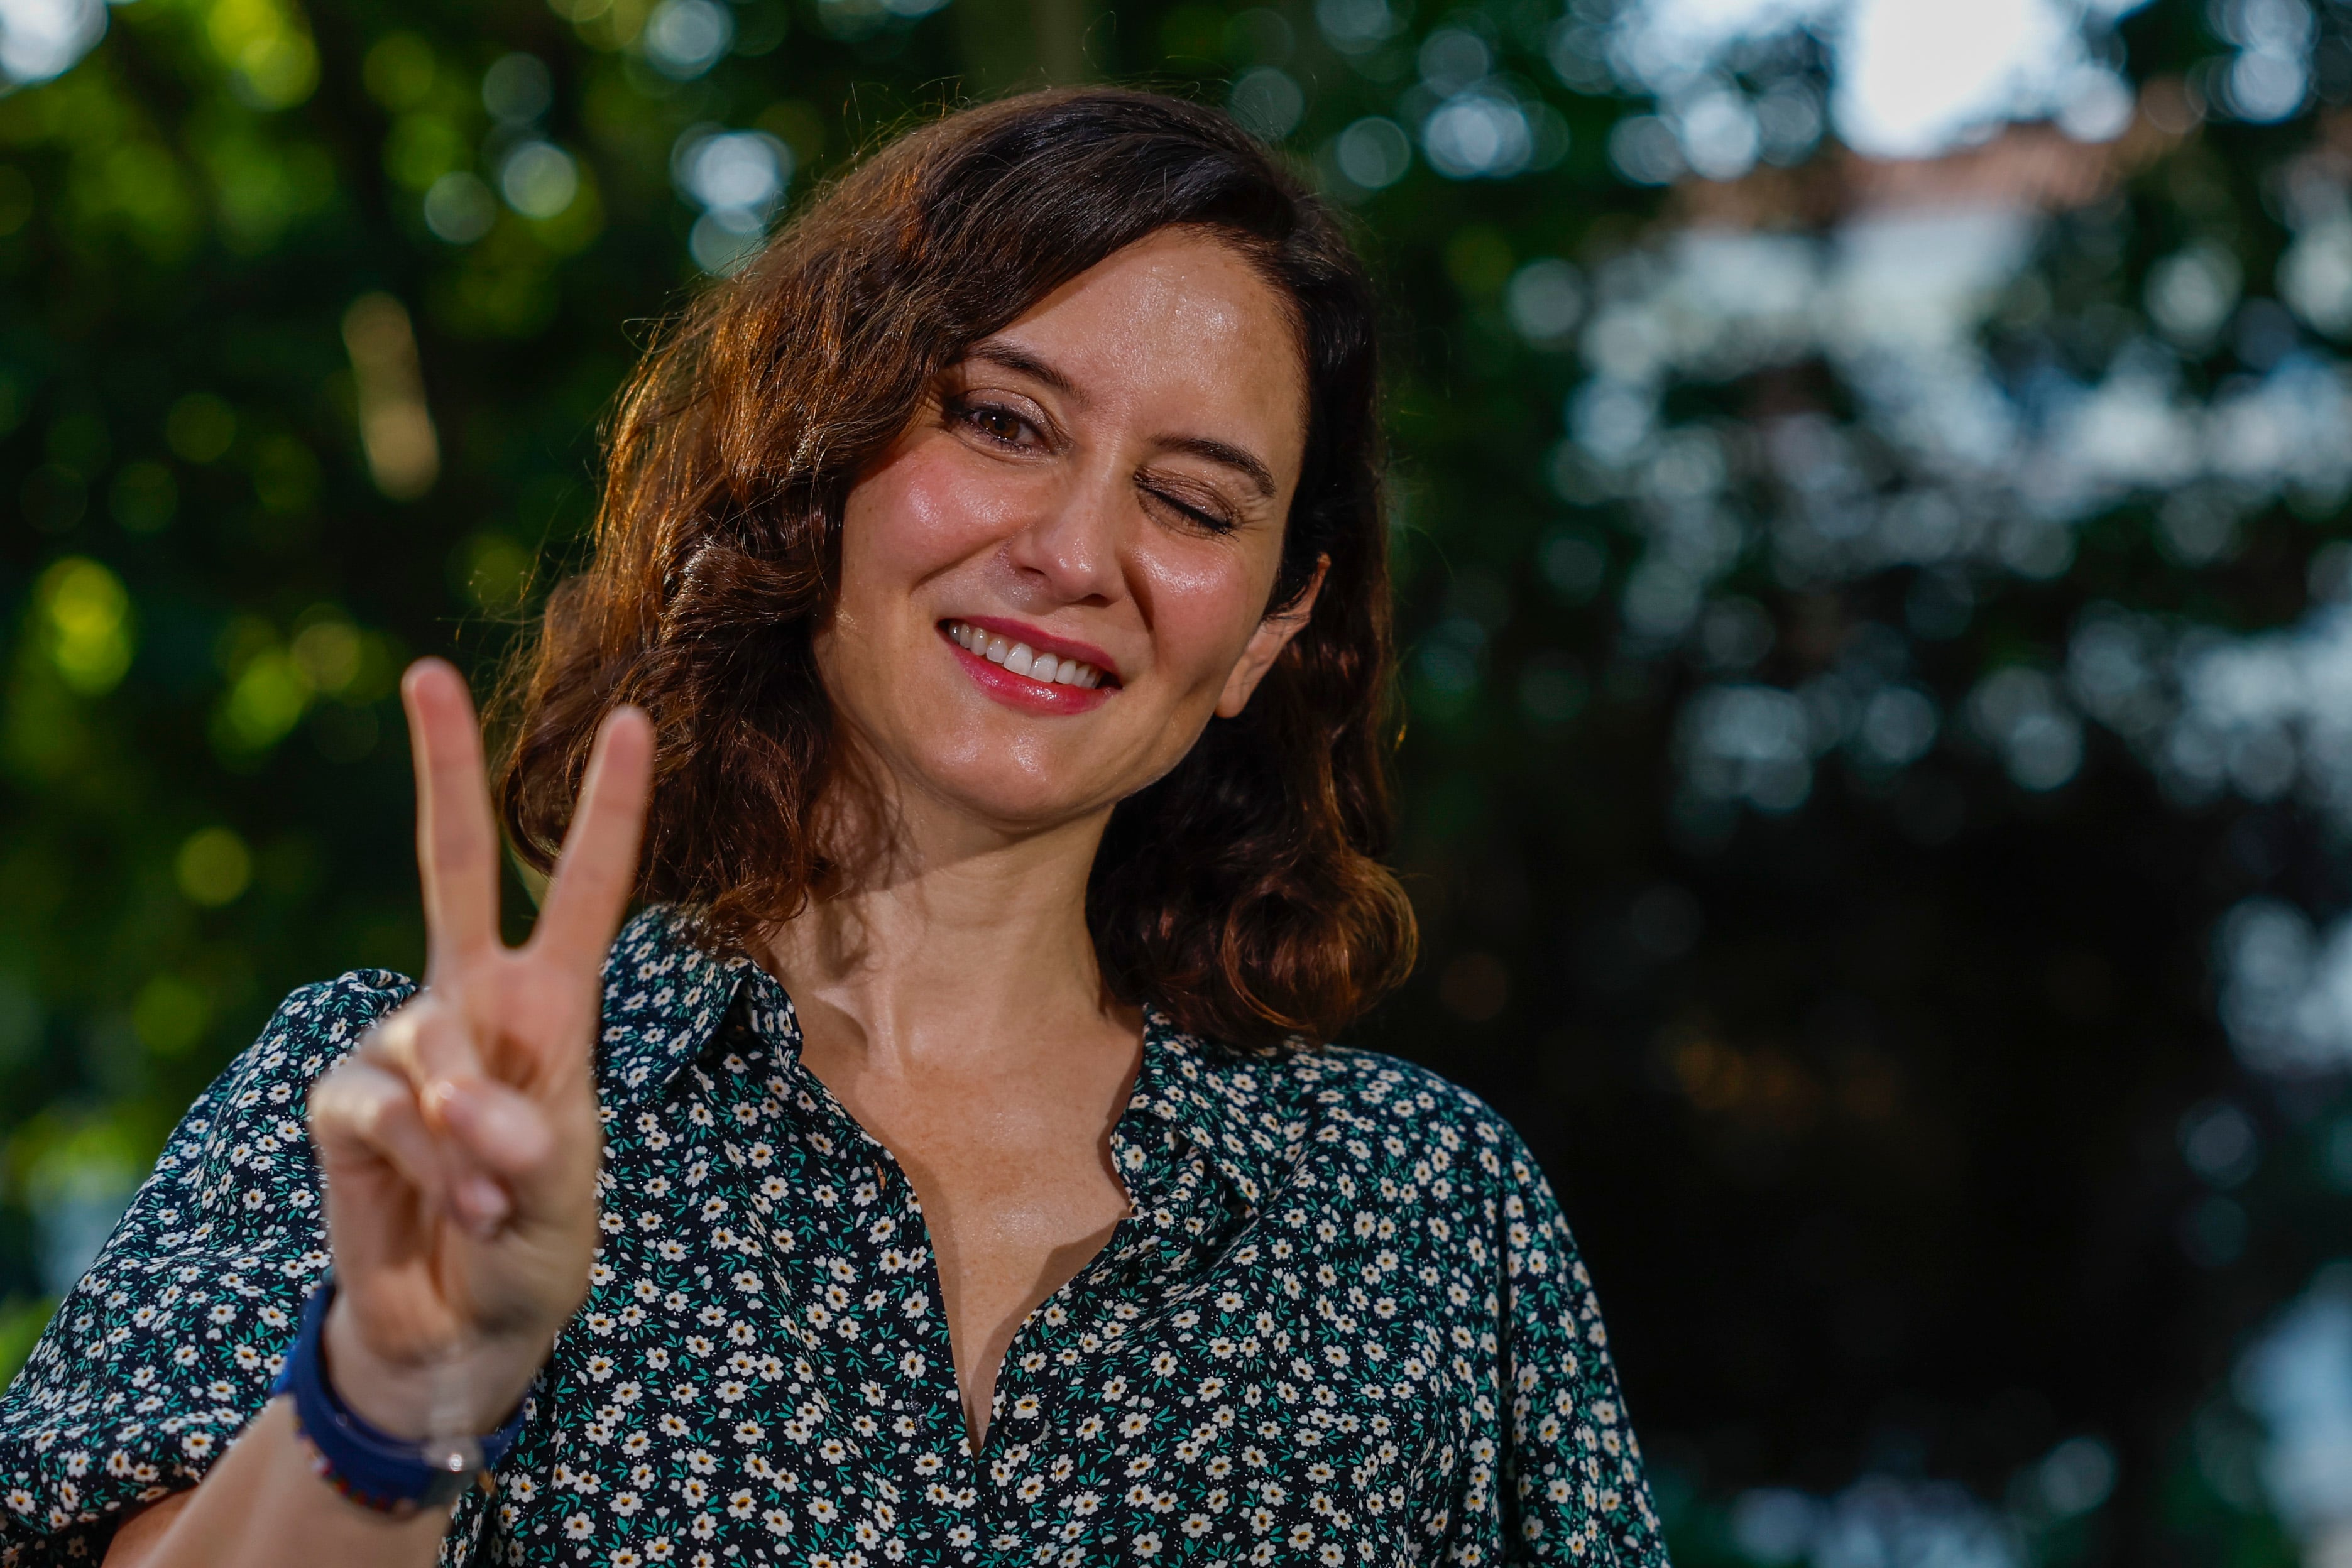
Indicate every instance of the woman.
{"type": "Point", "coordinates": [980, 677]}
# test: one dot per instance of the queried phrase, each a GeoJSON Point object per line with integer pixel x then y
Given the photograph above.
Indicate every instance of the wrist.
{"type": "Point", "coordinates": [401, 1396]}
{"type": "Point", "coordinates": [379, 1469]}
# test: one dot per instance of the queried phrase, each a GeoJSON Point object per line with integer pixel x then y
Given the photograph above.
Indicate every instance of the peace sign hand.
{"type": "Point", "coordinates": [460, 1142]}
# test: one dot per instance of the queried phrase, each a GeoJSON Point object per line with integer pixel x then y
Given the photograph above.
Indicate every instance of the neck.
{"type": "Point", "coordinates": [959, 938]}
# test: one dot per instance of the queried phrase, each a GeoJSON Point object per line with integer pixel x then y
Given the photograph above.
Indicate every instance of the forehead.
{"type": "Point", "coordinates": [1178, 329]}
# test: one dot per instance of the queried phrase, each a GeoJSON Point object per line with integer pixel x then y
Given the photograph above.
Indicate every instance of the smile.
{"type": "Point", "coordinates": [1022, 659]}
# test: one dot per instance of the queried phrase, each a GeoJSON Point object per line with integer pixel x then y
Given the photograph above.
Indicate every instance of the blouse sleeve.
{"type": "Point", "coordinates": [1570, 1487]}
{"type": "Point", "coordinates": [168, 1346]}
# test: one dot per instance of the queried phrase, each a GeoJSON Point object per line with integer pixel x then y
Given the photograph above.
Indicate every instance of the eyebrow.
{"type": "Point", "coordinates": [1029, 365]}
{"type": "Point", "coordinates": [1223, 452]}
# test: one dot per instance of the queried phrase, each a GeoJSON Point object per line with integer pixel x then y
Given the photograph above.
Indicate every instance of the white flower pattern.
{"type": "Point", "coordinates": [1344, 1323]}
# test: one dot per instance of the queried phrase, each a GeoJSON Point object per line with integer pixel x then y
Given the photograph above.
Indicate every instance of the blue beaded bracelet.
{"type": "Point", "coordinates": [366, 1464]}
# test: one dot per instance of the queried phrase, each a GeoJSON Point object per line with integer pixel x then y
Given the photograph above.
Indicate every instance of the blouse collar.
{"type": "Point", "coordinates": [1246, 1111]}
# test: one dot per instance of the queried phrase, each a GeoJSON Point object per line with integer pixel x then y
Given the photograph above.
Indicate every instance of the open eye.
{"type": "Point", "coordinates": [995, 423]}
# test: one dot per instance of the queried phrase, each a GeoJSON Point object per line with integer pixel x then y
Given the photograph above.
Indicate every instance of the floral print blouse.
{"type": "Point", "coordinates": [1343, 1323]}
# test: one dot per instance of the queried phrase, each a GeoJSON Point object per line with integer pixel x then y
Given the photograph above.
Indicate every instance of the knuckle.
{"type": "Point", "coordinates": [371, 1114]}
{"type": "Point", "coordinates": [323, 1108]}
{"type": "Point", "coordinates": [356, 1099]}
{"type": "Point", "coordinates": [394, 1035]}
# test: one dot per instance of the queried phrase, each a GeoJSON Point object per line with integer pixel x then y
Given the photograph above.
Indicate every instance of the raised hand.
{"type": "Point", "coordinates": [460, 1143]}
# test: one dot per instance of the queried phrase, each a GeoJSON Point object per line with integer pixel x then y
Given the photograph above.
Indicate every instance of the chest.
{"type": "Point", "coordinates": [1013, 1177]}
{"type": "Point", "coordinates": [763, 1364]}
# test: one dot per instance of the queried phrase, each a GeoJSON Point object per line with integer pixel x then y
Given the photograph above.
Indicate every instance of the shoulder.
{"type": "Point", "coordinates": [316, 1026]}
{"type": "Point", "coordinates": [1443, 1153]}
{"type": "Point", "coordinates": [1377, 1108]}
{"type": "Point", "coordinates": [1364, 1088]}
{"type": "Point", "coordinates": [262, 1091]}
{"type": "Point", "coordinates": [324, 1018]}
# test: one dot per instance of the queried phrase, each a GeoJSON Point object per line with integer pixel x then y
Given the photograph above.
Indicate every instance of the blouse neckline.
{"type": "Point", "coordinates": [666, 998]}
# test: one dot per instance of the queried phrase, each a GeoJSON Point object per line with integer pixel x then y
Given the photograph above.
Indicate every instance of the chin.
{"type": "Point", "coordinates": [1021, 811]}
{"type": "Point", "coordinates": [1003, 793]}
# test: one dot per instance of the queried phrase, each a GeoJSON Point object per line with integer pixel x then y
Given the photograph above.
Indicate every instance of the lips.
{"type": "Point", "coordinates": [1018, 656]}
{"type": "Point", "coordinates": [1077, 685]}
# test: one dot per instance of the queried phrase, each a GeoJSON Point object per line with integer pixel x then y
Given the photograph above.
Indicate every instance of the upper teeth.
{"type": "Point", "coordinates": [1022, 660]}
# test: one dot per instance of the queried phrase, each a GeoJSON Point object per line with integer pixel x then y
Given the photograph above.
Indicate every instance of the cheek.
{"type": "Point", "coordinates": [1205, 598]}
{"type": "Point", "coordinates": [920, 514]}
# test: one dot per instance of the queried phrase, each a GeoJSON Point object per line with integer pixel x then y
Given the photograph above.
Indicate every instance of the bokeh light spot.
{"type": "Point", "coordinates": [267, 46]}
{"type": "Point", "coordinates": [684, 39]}
{"type": "Point", "coordinates": [1373, 153]}
{"type": "Point", "coordinates": [539, 178]}
{"type": "Point", "coordinates": [265, 701]}
{"type": "Point", "coordinates": [1475, 136]}
{"type": "Point", "coordinates": [494, 572]}
{"type": "Point", "coordinates": [517, 88]}
{"type": "Point", "coordinates": [214, 867]}
{"type": "Point", "coordinates": [87, 616]}
{"type": "Point", "coordinates": [1268, 103]}
{"type": "Point", "coordinates": [459, 208]}
{"type": "Point", "coordinates": [170, 1014]}
{"type": "Point", "coordinates": [43, 38]}
{"type": "Point", "coordinates": [1354, 26]}
{"type": "Point", "coordinates": [329, 652]}
{"type": "Point", "coordinates": [1545, 300]}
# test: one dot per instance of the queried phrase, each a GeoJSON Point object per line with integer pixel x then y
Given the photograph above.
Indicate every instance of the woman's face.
{"type": "Point", "coordinates": [1061, 568]}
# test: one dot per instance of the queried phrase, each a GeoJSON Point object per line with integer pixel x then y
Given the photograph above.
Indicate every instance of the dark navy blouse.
{"type": "Point", "coordinates": [1344, 1322]}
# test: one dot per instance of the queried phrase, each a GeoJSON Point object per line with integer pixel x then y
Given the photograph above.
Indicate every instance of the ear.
{"type": "Point", "coordinates": [1266, 645]}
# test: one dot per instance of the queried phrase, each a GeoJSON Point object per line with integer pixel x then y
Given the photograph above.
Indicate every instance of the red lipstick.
{"type": "Point", "coordinates": [1042, 642]}
{"type": "Point", "coordinates": [1050, 698]}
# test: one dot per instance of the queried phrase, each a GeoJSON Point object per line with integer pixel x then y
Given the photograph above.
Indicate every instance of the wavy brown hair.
{"type": "Point", "coordinates": [1241, 892]}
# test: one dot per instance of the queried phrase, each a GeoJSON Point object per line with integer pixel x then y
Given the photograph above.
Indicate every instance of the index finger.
{"type": "Point", "coordinates": [598, 868]}
{"type": "Point", "coordinates": [457, 845]}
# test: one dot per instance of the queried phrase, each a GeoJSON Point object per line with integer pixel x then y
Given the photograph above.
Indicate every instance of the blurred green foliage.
{"type": "Point", "coordinates": [213, 593]}
{"type": "Point", "coordinates": [308, 316]}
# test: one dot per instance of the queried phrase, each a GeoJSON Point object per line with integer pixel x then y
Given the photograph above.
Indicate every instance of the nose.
{"type": "Point", "coordinates": [1069, 548]}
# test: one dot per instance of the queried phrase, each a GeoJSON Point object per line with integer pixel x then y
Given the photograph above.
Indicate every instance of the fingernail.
{"type": "Point", "coordinates": [466, 1113]}
{"type": "Point", "coordinates": [483, 1201]}
{"type": "Point", "coordinates": [466, 1110]}
{"type": "Point", "coordinates": [436, 1101]}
